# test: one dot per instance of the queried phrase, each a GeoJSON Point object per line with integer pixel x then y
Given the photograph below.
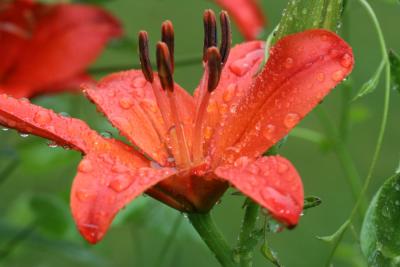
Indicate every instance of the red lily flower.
{"type": "Point", "coordinates": [248, 16]}
{"type": "Point", "coordinates": [46, 48]}
{"type": "Point", "coordinates": [190, 149]}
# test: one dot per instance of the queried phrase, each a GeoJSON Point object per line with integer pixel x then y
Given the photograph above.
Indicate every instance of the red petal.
{"type": "Point", "coordinates": [127, 99]}
{"type": "Point", "coordinates": [300, 72]}
{"type": "Point", "coordinates": [29, 118]}
{"type": "Point", "coordinates": [247, 15]}
{"type": "Point", "coordinates": [66, 39]}
{"type": "Point", "coordinates": [272, 182]}
{"type": "Point", "coordinates": [109, 178]}
{"type": "Point", "coordinates": [237, 76]}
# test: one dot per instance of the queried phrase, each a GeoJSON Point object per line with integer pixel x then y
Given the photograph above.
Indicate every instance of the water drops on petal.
{"type": "Point", "coordinates": [291, 119]}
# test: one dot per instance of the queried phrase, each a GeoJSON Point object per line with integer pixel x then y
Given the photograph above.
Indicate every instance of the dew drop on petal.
{"type": "Point", "coordinates": [320, 77]}
{"type": "Point", "coordinates": [126, 102]}
{"type": "Point", "coordinates": [120, 183]}
{"type": "Point", "coordinates": [337, 76]}
{"type": "Point", "coordinates": [282, 167]}
{"type": "Point", "coordinates": [84, 195]}
{"type": "Point", "coordinates": [229, 93]}
{"type": "Point", "coordinates": [269, 131]}
{"type": "Point", "coordinates": [52, 144]}
{"type": "Point", "coordinates": [139, 82]}
{"type": "Point", "coordinates": [208, 131]}
{"type": "Point", "coordinates": [346, 60]}
{"type": "Point", "coordinates": [212, 106]}
{"type": "Point", "coordinates": [289, 62]}
{"type": "Point", "coordinates": [85, 166]}
{"type": "Point", "coordinates": [42, 117]}
{"type": "Point", "coordinates": [291, 120]}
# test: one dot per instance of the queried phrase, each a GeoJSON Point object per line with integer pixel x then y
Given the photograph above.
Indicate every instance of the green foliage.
{"type": "Point", "coordinates": [301, 15]}
{"type": "Point", "coordinates": [311, 202]}
{"type": "Point", "coordinates": [395, 69]}
{"type": "Point", "coordinates": [380, 234]}
{"type": "Point", "coordinates": [370, 86]}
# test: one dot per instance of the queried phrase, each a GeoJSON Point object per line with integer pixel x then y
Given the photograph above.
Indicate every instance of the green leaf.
{"type": "Point", "coordinates": [395, 69]}
{"type": "Point", "coordinates": [369, 86]}
{"type": "Point", "coordinates": [270, 254]}
{"type": "Point", "coordinates": [301, 15]}
{"type": "Point", "coordinates": [335, 236]}
{"type": "Point", "coordinates": [311, 202]}
{"type": "Point", "coordinates": [380, 233]}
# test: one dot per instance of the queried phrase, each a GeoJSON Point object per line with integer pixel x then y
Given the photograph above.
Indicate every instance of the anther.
{"type": "Point", "coordinates": [164, 66]}
{"type": "Point", "coordinates": [210, 31]}
{"type": "Point", "coordinates": [226, 39]}
{"type": "Point", "coordinates": [214, 67]}
{"type": "Point", "coordinates": [144, 56]}
{"type": "Point", "coordinates": [167, 36]}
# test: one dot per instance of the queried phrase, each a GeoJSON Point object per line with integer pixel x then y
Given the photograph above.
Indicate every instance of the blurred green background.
{"type": "Point", "coordinates": [36, 228]}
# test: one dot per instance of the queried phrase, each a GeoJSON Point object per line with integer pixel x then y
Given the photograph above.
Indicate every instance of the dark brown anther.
{"type": "Point", "coordinates": [210, 31]}
{"type": "Point", "coordinates": [226, 39]}
{"type": "Point", "coordinates": [164, 67]}
{"type": "Point", "coordinates": [167, 36]}
{"type": "Point", "coordinates": [144, 56]}
{"type": "Point", "coordinates": [214, 68]}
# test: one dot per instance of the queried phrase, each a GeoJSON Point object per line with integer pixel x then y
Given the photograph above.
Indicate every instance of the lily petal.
{"type": "Point", "coordinates": [247, 14]}
{"type": "Point", "coordinates": [65, 39]}
{"type": "Point", "coordinates": [301, 71]}
{"type": "Point", "coordinates": [237, 76]}
{"type": "Point", "coordinates": [272, 182]}
{"type": "Point", "coordinates": [108, 178]}
{"type": "Point", "coordinates": [127, 99]}
{"type": "Point", "coordinates": [28, 118]}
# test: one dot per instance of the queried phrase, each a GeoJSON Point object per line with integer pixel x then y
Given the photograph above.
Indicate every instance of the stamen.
{"type": "Point", "coordinates": [167, 82]}
{"type": "Point", "coordinates": [226, 39]}
{"type": "Point", "coordinates": [212, 73]}
{"type": "Point", "coordinates": [144, 56]}
{"type": "Point", "coordinates": [214, 68]}
{"type": "Point", "coordinates": [167, 36]}
{"type": "Point", "coordinates": [210, 31]}
{"type": "Point", "coordinates": [164, 67]}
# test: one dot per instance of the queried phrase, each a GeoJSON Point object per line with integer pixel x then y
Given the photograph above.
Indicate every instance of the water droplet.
{"type": "Point", "coordinates": [282, 167]}
{"type": "Point", "coordinates": [268, 131]}
{"type": "Point", "coordinates": [51, 144]}
{"type": "Point", "coordinates": [42, 117]}
{"type": "Point", "coordinates": [106, 135]}
{"type": "Point", "coordinates": [139, 82]}
{"type": "Point", "coordinates": [397, 203]}
{"type": "Point", "coordinates": [229, 93]}
{"type": "Point", "coordinates": [120, 183]}
{"type": "Point", "coordinates": [126, 102]}
{"type": "Point", "coordinates": [23, 135]}
{"type": "Point", "coordinates": [65, 115]}
{"type": "Point", "coordinates": [208, 131]}
{"type": "Point", "coordinates": [291, 120]}
{"type": "Point", "coordinates": [346, 60]}
{"type": "Point", "coordinates": [4, 129]}
{"type": "Point", "coordinates": [254, 169]}
{"type": "Point", "coordinates": [397, 187]}
{"type": "Point", "coordinates": [84, 195]}
{"type": "Point", "coordinates": [321, 77]}
{"type": "Point", "coordinates": [386, 212]}
{"type": "Point", "coordinates": [85, 166]}
{"type": "Point", "coordinates": [212, 106]}
{"type": "Point", "coordinates": [239, 67]}
{"type": "Point", "coordinates": [289, 62]}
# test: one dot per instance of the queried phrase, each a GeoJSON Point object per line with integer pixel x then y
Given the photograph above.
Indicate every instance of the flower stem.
{"type": "Point", "coordinates": [209, 232]}
{"type": "Point", "coordinates": [246, 242]}
{"type": "Point", "coordinates": [382, 129]}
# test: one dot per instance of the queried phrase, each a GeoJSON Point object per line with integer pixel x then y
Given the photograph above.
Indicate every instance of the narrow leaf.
{"type": "Point", "coordinates": [311, 202]}
{"type": "Point", "coordinates": [395, 69]}
{"type": "Point", "coordinates": [380, 233]}
{"type": "Point", "coordinates": [339, 232]}
{"type": "Point", "coordinates": [369, 86]}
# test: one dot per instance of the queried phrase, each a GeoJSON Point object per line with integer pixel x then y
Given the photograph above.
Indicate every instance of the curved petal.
{"type": "Point", "coordinates": [272, 182]}
{"type": "Point", "coordinates": [109, 177]}
{"type": "Point", "coordinates": [127, 99]}
{"type": "Point", "coordinates": [237, 76]}
{"type": "Point", "coordinates": [29, 118]}
{"type": "Point", "coordinates": [247, 14]}
{"type": "Point", "coordinates": [300, 72]}
{"type": "Point", "coordinates": [65, 40]}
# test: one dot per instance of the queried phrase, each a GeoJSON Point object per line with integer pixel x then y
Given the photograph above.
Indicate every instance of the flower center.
{"type": "Point", "coordinates": [214, 59]}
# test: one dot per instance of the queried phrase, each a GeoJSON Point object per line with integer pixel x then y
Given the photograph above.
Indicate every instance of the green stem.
{"type": "Point", "coordinates": [208, 231]}
{"type": "Point", "coordinates": [385, 113]}
{"type": "Point", "coordinates": [245, 244]}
